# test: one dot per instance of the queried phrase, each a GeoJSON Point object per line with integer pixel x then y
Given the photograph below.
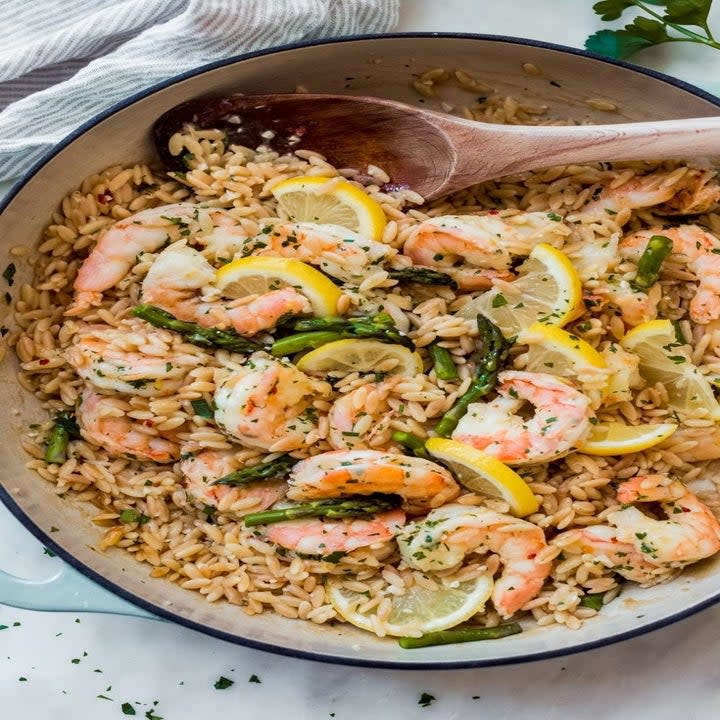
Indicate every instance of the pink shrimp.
{"type": "Point", "coordinates": [322, 537]}
{"type": "Point", "coordinates": [421, 483]}
{"type": "Point", "coordinates": [701, 250]}
{"type": "Point", "coordinates": [177, 276]}
{"type": "Point", "coordinates": [337, 251]}
{"type": "Point", "coordinates": [441, 541]}
{"type": "Point", "coordinates": [678, 192]}
{"type": "Point", "coordinates": [644, 549]}
{"type": "Point", "coordinates": [475, 249]}
{"type": "Point", "coordinates": [103, 422]}
{"type": "Point", "coordinates": [560, 421]}
{"type": "Point", "coordinates": [202, 469]}
{"type": "Point", "coordinates": [115, 359]}
{"type": "Point", "coordinates": [268, 404]}
{"type": "Point", "coordinates": [117, 249]}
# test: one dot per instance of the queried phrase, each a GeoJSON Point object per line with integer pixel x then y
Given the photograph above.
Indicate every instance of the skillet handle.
{"type": "Point", "coordinates": [65, 591]}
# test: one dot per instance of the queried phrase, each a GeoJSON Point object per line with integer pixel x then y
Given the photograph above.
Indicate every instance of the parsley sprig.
{"type": "Point", "coordinates": [662, 21]}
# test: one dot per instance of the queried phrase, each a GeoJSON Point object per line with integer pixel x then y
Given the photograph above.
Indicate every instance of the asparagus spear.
{"type": "Point", "coordinates": [459, 635]}
{"type": "Point", "coordinates": [657, 249]}
{"type": "Point", "coordinates": [495, 350]}
{"type": "Point", "coordinates": [335, 508]}
{"type": "Point", "coordinates": [204, 337]}
{"type": "Point", "coordinates": [64, 430]}
{"type": "Point", "coordinates": [412, 442]}
{"type": "Point", "coordinates": [443, 362]}
{"type": "Point", "coordinates": [314, 332]}
{"type": "Point", "coordinates": [422, 276]}
{"type": "Point", "coordinates": [270, 470]}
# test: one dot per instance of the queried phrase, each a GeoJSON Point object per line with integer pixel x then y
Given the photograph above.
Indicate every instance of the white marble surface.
{"type": "Point", "coordinates": [662, 676]}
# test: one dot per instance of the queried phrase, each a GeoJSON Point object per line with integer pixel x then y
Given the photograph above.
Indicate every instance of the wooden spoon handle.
{"type": "Point", "coordinates": [517, 148]}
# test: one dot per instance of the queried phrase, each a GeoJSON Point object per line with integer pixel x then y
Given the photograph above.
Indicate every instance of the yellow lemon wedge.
{"type": "Point", "coordinates": [418, 611]}
{"type": "Point", "coordinates": [346, 356]}
{"type": "Point", "coordinates": [619, 439]}
{"type": "Point", "coordinates": [331, 201]}
{"type": "Point", "coordinates": [663, 359]}
{"type": "Point", "coordinates": [555, 351]}
{"type": "Point", "coordinates": [484, 474]}
{"type": "Point", "coordinates": [547, 290]}
{"type": "Point", "coordinates": [259, 275]}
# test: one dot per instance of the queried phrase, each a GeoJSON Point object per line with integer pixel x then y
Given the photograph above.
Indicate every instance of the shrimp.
{"type": "Point", "coordinates": [678, 192]}
{"type": "Point", "coordinates": [421, 484]}
{"type": "Point", "coordinates": [488, 243]}
{"type": "Point", "coordinates": [103, 422]}
{"type": "Point", "coordinates": [117, 249]}
{"type": "Point", "coordinates": [322, 537]}
{"type": "Point", "coordinates": [122, 359]}
{"type": "Point", "coordinates": [701, 250]}
{"type": "Point", "coordinates": [561, 419]}
{"type": "Point", "coordinates": [705, 443]}
{"type": "Point", "coordinates": [339, 252]}
{"type": "Point", "coordinates": [644, 549]}
{"type": "Point", "coordinates": [635, 306]}
{"type": "Point", "coordinates": [352, 427]}
{"type": "Point", "coordinates": [175, 279]}
{"type": "Point", "coordinates": [441, 541]}
{"type": "Point", "coordinates": [268, 404]}
{"type": "Point", "coordinates": [208, 465]}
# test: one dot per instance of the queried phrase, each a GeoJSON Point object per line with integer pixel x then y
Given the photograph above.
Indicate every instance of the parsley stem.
{"type": "Point", "coordinates": [696, 37]}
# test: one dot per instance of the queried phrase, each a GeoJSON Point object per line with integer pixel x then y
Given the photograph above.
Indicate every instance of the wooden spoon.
{"type": "Point", "coordinates": [429, 152]}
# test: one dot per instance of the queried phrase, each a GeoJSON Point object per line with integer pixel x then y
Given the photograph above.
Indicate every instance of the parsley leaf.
{"type": "Point", "coordinates": [662, 21]}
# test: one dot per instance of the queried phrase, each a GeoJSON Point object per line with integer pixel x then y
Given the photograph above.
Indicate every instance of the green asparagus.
{"type": "Point", "coordinates": [460, 635]}
{"type": "Point", "coordinates": [204, 337]}
{"type": "Point", "coordinates": [271, 470]}
{"type": "Point", "coordinates": [64, 430]}
{"type": "Point", "coordinates": [335, 508]}
{"type": "Point", "coordinates": [495, 349]}
{"type": "Point", "coordinates": [422, 276]}
{"type": "Point", "coordinates": [311, 333]}
{"type": "Point", "coordinates": [657, 249]}
{"type": "Point", "coordinates": [443, 362]}
{"type": "Point", "coordinates": [412, 442]}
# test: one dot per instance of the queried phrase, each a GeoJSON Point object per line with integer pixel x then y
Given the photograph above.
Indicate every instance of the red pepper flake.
{"type": "Point", "coordinates": [493, 212]}
{"type": "Point", "coordinates": [148, 423]}
{"type": "Point", "coordinates": [300, 131]}
{"type": "Point", "coordinates": [43, 361]}
{"type": "Point", "coordinates": [105, 197]}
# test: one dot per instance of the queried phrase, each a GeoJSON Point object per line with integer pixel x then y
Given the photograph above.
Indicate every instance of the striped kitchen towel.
{"type": "Point", "coordinates": [63, 61]}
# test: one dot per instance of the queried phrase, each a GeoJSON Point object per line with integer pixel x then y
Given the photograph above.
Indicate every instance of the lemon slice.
{"type": "Point", "coordinates": [555, 351]}
{"type": "Point", "coordinates": [258, 275]}
{"type": "Point", "coordinates": [664, 360]}
{"type": "Point", "coordinates": [547, 290]}
{"type": "Point", "coordinates": [416, 612]}
{"type": "Point", "coordinates": [329, 201]}
{"type": "Point", "coordinates": [484, 474]}
{"type": "Point", "coordinates": [620, 439]}
{"type": "Point", "coordinates": [346, 356]}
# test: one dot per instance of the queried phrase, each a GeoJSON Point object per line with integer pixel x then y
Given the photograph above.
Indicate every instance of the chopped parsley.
{"type": "Point", "coordinates": [9, 273]}
{"type": "Point", "coordinates": [130, 515]}
{"type": "Point", "coordinates": [426, 699]}
{"type": "Point", "coordinates": [223, 683]}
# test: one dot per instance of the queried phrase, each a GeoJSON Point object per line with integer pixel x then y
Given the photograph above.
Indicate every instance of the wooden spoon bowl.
{"type": "Point", "coordinates": [432, 153]}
